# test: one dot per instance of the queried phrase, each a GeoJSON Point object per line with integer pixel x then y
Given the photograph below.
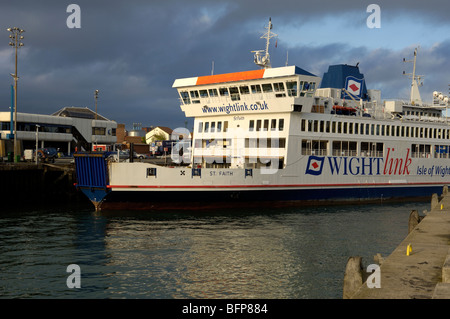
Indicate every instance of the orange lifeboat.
{"type": "Point", "coordinates": [344, 109]}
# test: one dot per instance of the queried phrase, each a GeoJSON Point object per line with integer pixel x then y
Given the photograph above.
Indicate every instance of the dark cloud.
{"type": "Point", "coordinates": [132, 51]}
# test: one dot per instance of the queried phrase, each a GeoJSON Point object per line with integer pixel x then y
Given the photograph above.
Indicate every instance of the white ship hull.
{"type": "Point", "coordinates": [311, 180]}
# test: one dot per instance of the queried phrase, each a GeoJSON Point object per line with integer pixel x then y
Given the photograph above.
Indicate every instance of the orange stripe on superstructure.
{"type": "Point", "coordinates": [230, 77]}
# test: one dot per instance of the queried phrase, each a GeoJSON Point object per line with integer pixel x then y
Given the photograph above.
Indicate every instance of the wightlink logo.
{"type": "Point", "coordinates": [236, 107]}
{"type": "Point", "coordinates": [343, 165]}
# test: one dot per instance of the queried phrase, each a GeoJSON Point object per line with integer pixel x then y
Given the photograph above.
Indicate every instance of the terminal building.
{"type": "Point", "coordinates": [68, 130]}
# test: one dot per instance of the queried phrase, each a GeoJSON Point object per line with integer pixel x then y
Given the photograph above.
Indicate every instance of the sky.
{"type": "Point", "coordinates": [132, 51]}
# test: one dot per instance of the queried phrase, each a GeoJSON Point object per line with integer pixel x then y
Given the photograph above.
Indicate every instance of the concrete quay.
{"type": "Point", "coordinates": [419, 268]}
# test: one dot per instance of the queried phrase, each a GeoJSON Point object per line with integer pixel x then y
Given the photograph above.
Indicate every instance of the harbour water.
{"type": "Point", "coordinates": [282, 253]}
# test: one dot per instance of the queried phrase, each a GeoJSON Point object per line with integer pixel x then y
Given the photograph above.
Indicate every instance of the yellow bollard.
{"type": "Point", "coordinates": [408, 250]}
{"type": "Point", "coordinates": [442, 206]}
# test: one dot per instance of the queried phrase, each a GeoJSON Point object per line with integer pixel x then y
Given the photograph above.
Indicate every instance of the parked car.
{"type": "Point", "coordinates": [123, 155]}
{"type": "Point", "coordinates": [140, 156]}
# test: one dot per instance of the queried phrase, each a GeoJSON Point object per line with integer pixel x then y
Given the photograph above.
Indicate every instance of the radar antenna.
{"type": "Point", "coordinates": [415, 98]}
{"type": "Point", "coordinates": [262, 57]}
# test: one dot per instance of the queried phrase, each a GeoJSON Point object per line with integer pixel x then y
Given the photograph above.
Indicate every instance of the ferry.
{"type": "Point", "coordinates": [284, 136]}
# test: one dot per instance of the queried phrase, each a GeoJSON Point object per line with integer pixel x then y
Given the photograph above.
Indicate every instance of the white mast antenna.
{"type": "Point", "coordinates": [262, 58]}
{"type": "Point", "coordinates": [415, 98]}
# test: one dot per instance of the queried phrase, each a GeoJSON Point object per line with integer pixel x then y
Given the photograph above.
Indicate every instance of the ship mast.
{"type": "Point", "coordinates": [262, 57]}
{"type": "Point", "coordinates": [415, 98]}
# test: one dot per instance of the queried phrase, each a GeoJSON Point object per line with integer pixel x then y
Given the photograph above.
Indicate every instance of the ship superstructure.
{"type": "Point", "coordinates": [244, 119]}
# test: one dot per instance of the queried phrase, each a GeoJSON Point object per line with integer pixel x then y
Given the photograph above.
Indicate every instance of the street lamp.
{"type": "Point", "coordinates": [446, 105]}
{"type": "Point", "coordinates": [37, 142]}
{"type": "Point", "coordinates": [96, 97]}
{"type": "Point", "coordinates": [15, 36]}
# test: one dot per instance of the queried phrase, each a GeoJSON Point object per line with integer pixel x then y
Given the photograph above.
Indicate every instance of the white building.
{"type": "Point", "coordinates": [159, 133]}
{"type": "Point", "coordinates": [69, 129]}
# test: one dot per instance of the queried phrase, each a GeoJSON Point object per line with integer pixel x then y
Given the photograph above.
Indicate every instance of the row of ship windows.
{"type": "Point", "coordinates": [248, 143]}
{"type": "Point", "coordinates": [342, 148]}
{"type": "Point", "coordinates": [369, 149]}
{"type": "Point", "coordinates": [263, 125]}
{"type": "Point", "coordinates": [254, 125]}
{"type": "Point", "coordinates": [213, 127]}
{"type": "Point", "coordinates": [338, 148]}
{"type": "Point", "coordinates": [336, 127]}
{"type": "Point", "coordinates": [281, 89]}
{"type": "Point", "coordinates": [420, 114]}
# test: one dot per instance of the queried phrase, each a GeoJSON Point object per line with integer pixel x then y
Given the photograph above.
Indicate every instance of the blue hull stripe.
{"type": "Point", "coordinates": [207, 197]}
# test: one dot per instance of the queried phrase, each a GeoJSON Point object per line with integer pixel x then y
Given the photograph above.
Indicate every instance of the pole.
{"type": "Point", "coordinates": [37, 143]}
{"type": "Point", "coordinates": [11, 127]}
{"type": "Point", "coordinates": [16, 37]}
{"type": "Point", "coordinates": [446, 106]}
{"type": "Point", "coordinates": [96, 97]}
{"type": "Point", "coordinates": [16, 150]}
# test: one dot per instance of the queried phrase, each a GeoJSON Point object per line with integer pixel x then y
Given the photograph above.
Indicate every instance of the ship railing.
{"type": "Point", "coordinates": [322, 152]}
{"type": "Point", "coordinates": [441, 155]}
{"type": "Point", "coordinates": [412, 117]}
{"type": "Point", "coordinates": [351, 153]}
{"type": "Point", "coordinates": [372, 154]}
{"type": "Point", "coordinates": [344, 153]}
{"type": "Point", "coordinates": [420, 155]}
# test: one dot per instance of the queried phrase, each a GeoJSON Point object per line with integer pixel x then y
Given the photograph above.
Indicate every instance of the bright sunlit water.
{"type": "Point", "coordinates": [282, 253]}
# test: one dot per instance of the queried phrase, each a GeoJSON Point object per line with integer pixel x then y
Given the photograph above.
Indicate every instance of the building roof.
{"type": "Point", "coordinates": [79, 112]}
{"type": "Point", "coordinates": [166, 129]}
{"type": "Point", "coordinates": [133, 139]}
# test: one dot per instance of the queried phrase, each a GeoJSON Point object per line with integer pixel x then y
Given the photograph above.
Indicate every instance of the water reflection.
{"type": "Point", "coordinates": [208, 256]}
{"type": "Point", "coordinates": [270, 253]}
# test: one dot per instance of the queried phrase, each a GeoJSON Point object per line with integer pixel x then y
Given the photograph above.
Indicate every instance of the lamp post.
{"type": "Point", "coordinates": [37, 142]}
{"type": "Point", "coordinates": [96, 97]}
{"type": "Point", "coordinates": [446, 106]}
{"type": "Point", "coordinates": [15, 36]}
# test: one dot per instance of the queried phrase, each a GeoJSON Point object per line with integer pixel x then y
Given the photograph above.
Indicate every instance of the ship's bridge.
{"type": "Point", "coordinates": [272, 90]}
